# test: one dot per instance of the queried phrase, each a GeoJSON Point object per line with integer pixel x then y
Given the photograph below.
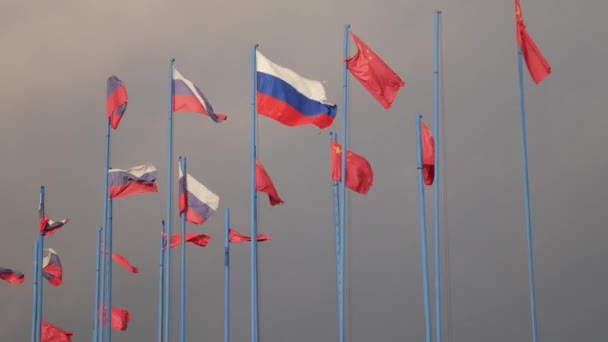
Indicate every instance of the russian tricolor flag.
{"type": "Point", "coordinates": [187, 98]}
{"type": "Point", "coordinates": [133, 181]}
{"type": "Point", "coordinates": [51, 268]}
{"type": "Point", "coordinates": [12, 277]}
{"type": "Point", "coordinates": [198, 202]}
{"type": "Point", "coordinates": [116, 100]}
{"type": "Point", "coordinates": [289, 98]}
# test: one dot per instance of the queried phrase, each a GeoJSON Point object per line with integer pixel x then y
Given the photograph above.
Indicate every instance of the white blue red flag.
{"type": "Point", "coordinates": [198, 201]}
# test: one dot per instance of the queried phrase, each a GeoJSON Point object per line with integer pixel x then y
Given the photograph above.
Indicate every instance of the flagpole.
{"type": "Point", "coordinates": [227, 275]}
{"type": "Point", "coordinates": [96, 304]}
{"type": "Point", "coordinates": [524, 156]}
{"type": "Point", "coordinates": [160, 281]}
{"type": "Point", "coordinates": [436, 183]}
{"type": "Point", "coordinates": [334, 137]}
{"type": "Point", "coordinates": [109, 267]}
{"type": "Point", "coordinates": [40, 266]}
{"type": "Point", "coordinates": [169, 212]}
{"type": "Point", "coordinates": [423, 241]}
{"type": "Point", "coordinates": [35, 292]}
{"type": "Point", "coordinates": [343, 184]}
{"type": "Point", "coordinates": [102, 279]}
{"type": "Point", "coordinates": [182, 294]}
{"type": "Point", "coordinates": [105, 265]}
{"type": "Point", "coordinates": [254, 206]}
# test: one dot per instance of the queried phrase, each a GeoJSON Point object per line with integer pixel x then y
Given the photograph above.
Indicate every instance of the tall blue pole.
{"type": "Point", "coordinates": [160, 281]}
{"type": "Point", "coordinates": [102, 279]}
{"type": "Point", "coordinates": [40, 266]}
{"type": "Point", "coordinates": [334, 137]}
{"type": "Point", "coordinates": [97, 265]}
{"type": "Point", "coordinates": [436, 185]}
{"type": "Point", "coordinates": [106, 253]}
{"type": "Point", "coordinates": [528, 215]}
{"type": "Point", "coordinates": [423, 242]}
{"type": "Point", "coordinates": [182, 292]}
{"type": "Point", "coordinates": [254, 205]}
{"type": "Point", "coordinates": [35, 292]}
{"type": "Point", "coordinates": [227, 275]}
{"type": "Point", "coordinates": [109, 267]}
{"type": "Point", "coordinates": [343, 185]}
{"type": "Point", "coordinates": [169, 212]}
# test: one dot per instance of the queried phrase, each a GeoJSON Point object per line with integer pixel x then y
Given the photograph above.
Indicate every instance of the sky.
{"type": "Point", "coordinates": [59, 54]}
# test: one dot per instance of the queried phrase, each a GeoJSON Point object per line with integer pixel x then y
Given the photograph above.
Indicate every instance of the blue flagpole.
{"type": "Point", "coordinates": [160, 281]}
{"type": "Point", "coordinates": [40, 266]}
{"type": "Point", "coordinates": [254, 206]}
{"type": "Point", "coordinates": [334, 137]}
{"type": "Point", "coordinates": [169, 212]}
{"type": "Point", "coordinates": [109, 267]}
{"type": "Point", "coordinates": [35, 292]}
{"type": "Point", "coordinates": [528, 215]}
{"type": "Point", "coordinates": [102, 279]}
{"type": "Point", "coordinates": [182, 293]}
{"type": "Point", "coordinates": [343, 185]}
{"type": "Point", "coordinates": [436, 187]}
{"type": "Point", "coordinates": [96, 304]}
{"type": "Point", "coordinates": [227, 275]}
{"type": "Point", "coordinates": [423, 242]}
{"type": "Point", "coordinates": [106, 231]}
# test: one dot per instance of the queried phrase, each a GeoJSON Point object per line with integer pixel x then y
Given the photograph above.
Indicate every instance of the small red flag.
{"type": "Point", "coordinates": [373, 74]}
{"type": "Point", "coordinates": [359, 173]}
{"type": "Point", "coordinates": [537, 65]}
{"type": "Point", "coordinates": [51, 333]}
{"type": "Point", "coordinates": [12, 277]}
{"type": "Point", "coordinates": [263, 183]}
{"type": "Point", "coordinates": [428, 154]}
{"type": "Point", "coordinates": [201, 240]}
{"type": "Point", "coordinates": [120, 318]}
{"type": "Point", "coordinates": [124, 262]}
{"type": "Point", "coordinates": [236, 237]}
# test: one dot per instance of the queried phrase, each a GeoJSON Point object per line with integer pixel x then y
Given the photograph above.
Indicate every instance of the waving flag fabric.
{"type": "Point", "coordinates": [116, 100]}
{"type": "Point", "coordinates": [51, 333]}
{"type": "Point", "coordinates": [124, 262]}
{"type": "Point", "coordinates": [289, 98]}
{"type": "Point", "coordinates": [263, 183]}
{"type": "Point", "coordinates": [537, 65]}
{"type": "Point", "coordinates": [133, 181]}
{"type": "Point", "coordinates": [188, 98]}
{"type": "Point", "coordinates": [12, 277]}
{"type": "Point", "coordinates": [51, 268]}
{"type": "Point", "coordinates": [236, 237]}
{"type": "Point", "coordinates": [359, 173]}
{"type": "Point", "coordinates": [198, 201]}
{"type": "Point", "coordinates": [428, 155]}
{"type": "Point", "coordinates": [119, 318]}
{"type": "Point", "coordinates": [200, 240]}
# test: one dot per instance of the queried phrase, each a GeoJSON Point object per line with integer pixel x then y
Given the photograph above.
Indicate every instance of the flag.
{"type": "Point", "coordinates": [201, 240]}
{"type": "Point", "coordinates": [51, 268]}
{"type": "Point", "coordinates": [47, 226]}
{"type": "Point", "coordinates": [537, 65]}
{"type": "Point", "coordinates": [428, 154]}
{"type": "Point", "coordinates": [198, 201]}
{"type": "Point", "coordinates": [263, 183]}
{"type": "Point", "coordinates": [373, 74]}
{"type": "Point", "coordinates": [119, 318]}
{"type": "Point", "coordinates": [187, 98]}
{"type": "Point", "coordinates": [51, 333]}
{"type": "Point", "coordinates": [236, 237]}
{"type": "Point", "coordinates": [359, 173]}
{"type": "Point", "coordinates": [116, 100]}
{"type": "Point", "coordinates": [133, 181]}
{"type": "Point", "coordinates": [124, 262]}
{"type": "Point", "coordinates": [289, 98]}
{"type": "Point", "coordinates": [12, 277]}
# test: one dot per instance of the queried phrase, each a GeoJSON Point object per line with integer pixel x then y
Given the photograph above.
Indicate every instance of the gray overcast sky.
{"type": "Point", "coordinates": [58, 55]}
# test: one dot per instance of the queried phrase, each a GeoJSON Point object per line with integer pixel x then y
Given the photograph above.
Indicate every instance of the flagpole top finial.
{"type": "Point", "coordinates": [172, 60]}
{"type": "Point", "coordinates": [347, 26]}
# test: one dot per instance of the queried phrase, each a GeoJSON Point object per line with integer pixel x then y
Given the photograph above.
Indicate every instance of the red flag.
{"type": "Point", "coordinates": [12, 277]}
{"type": "Point", "coordinates": [116, 100]}
{"type": "Point", "coordinates": [124, 262]}
{"type": "Point", "coordinates": [373, 74]}
{"type": "Point", "coordinates": [428, 154]}
{"type": "Point", "coordinates": [359, 173]}
{"type": "Point", "coordinates": [201, 240]}
{"type": "Point", "coordinates": [236, 237]}
{"type": "Point", "coordinates": [120, 318]}
{"type": "Point", "coordinates": [51, 333]}
{"type": "Point", "coordinates": [263, 183]}
{"type": "Point", "coordinates": [537, 65]}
